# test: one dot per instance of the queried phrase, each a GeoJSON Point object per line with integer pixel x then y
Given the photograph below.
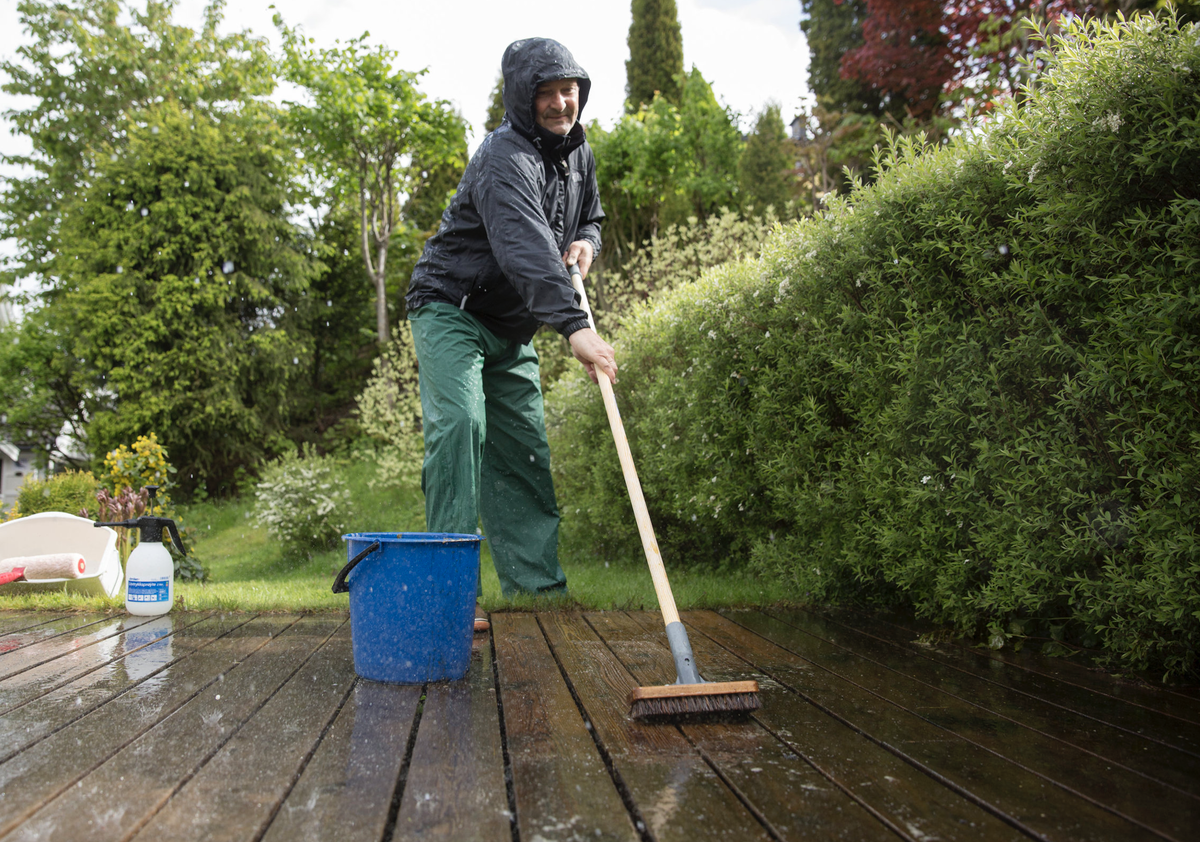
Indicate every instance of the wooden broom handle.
{"type": "Point", "coordinates": [662, 587]}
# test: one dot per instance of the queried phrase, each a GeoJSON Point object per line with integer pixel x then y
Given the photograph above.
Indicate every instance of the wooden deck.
{"type": "Point", "coordinates": [241, 727]}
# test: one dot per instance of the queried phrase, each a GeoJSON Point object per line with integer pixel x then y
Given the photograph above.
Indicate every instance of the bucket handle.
{"type": "Point", "coordinates": [339, 583]}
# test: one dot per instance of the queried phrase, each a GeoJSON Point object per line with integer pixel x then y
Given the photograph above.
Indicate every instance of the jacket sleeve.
{"type": "Point", "coordinates": [509, 204]}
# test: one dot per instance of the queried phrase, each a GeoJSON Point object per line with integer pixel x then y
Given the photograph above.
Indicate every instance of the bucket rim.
{"type": "Point", "coordinates": [414, 537]}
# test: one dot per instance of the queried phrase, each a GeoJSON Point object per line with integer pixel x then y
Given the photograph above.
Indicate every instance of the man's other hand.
{"type": "Point", "coordinates": [579, 252]}
{"type": "Point", "coordinates": [594, 353]}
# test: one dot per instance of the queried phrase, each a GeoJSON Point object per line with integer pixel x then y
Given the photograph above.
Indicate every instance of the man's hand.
{"type": "Point", "coordinates": [579, 252]}
{"type": "Point", "coordinates": [594, 353]}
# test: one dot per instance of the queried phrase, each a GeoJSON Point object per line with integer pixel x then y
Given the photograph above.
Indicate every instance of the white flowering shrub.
{"type": "Point", "coordinates": [303, 502]}
{"type": "Point", "coordinates": [389, 410]}
{"type": "Point", "coordinates": [969, 388]}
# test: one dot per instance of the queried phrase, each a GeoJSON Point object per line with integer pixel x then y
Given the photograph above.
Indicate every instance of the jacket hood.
{"type": "Point", "coordinates": [528, 63]}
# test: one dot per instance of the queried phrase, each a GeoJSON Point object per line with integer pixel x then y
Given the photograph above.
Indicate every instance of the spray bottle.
{"type": "Point", "coordinates": [150, 572]}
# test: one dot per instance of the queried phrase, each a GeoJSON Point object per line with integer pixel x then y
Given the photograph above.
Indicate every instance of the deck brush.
{"type": "Point", "coordinates": [691, 694]}
{"type": "Point", "coordinates": [711, 697]}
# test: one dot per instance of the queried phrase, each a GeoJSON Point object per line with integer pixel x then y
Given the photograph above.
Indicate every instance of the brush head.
{"type": "Point", "coordinates": [711, 697]}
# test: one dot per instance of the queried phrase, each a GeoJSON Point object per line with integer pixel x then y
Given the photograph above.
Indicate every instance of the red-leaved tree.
{"type": "Point", "coordinates": [935, 54]}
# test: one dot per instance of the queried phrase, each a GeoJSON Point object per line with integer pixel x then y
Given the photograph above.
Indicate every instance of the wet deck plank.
{"type": "Point", "coordinates": [34, 777]}
{"type": "Point", "coordinates": [246, 728]}
{"type": "Point", "coordinates": [236, 791]}
{"type": "Point", "coordinates": [1166, 717]}
{"type": "Point", "coordinates": [677, 795]}
{"type": "Point", "coordinates": [900, 793]}
{"type": "Point", "coordinates": [790, 797]}
{"type": "Point", "coordinates": [345, 792]}
{"type": "Point", "coordinates": [1053, 736]}
{"type": "Point", "coordinates": [135, 662]}
{"type": "Point", "coordinates": [455, 784]}
{"type": "Point", "coordinates": [896, 712]}
{"type": "Point", "coordinates": [1180, 703]}
{"type": "Point", "coordinates": [15, 621]}
{"type": "Point", "coordinates": [559, 778]}
{"type": "Point", "coordinates": [30, 647]}
{"type": "Point", "coordinates": [128, 635]}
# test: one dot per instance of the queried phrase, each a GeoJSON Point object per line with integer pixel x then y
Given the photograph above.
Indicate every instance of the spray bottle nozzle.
{"type": "Point", "coordinates": [151, 527]}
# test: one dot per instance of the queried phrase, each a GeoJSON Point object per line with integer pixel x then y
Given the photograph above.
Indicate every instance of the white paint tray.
{"type": "Point", "coordinates": [59, 532]}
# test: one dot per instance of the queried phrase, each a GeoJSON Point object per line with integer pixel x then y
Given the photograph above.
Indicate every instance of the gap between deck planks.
{"type": "Point", "coordinates": [220, 727]}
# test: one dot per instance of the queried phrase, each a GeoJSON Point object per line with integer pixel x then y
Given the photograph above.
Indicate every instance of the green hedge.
{"type": "Point", "coordinates": [73, 492]}
{"type": "Point", "coordinates": [971, 388]}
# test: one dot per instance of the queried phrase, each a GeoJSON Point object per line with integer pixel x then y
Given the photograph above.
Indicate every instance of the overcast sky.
{"type": "Point", "coordinates": [751, 51]}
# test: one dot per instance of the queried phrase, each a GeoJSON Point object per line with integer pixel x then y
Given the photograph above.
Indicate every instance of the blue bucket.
{"type": "Point", "coordinates": [412, 604]}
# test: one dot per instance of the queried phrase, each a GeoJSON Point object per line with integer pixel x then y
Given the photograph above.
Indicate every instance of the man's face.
{"type": "Point", "coordinates": [556, 105]}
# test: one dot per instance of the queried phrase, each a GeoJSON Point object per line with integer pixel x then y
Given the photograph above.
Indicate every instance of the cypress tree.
{"type": "Point", "coordinates": [655, 54]}
{"type": "Point", "coordinates": [764, 168]}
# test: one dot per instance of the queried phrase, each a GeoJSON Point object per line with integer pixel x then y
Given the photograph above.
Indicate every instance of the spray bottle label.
{"type": "Point", "coordinates": [149, 590]}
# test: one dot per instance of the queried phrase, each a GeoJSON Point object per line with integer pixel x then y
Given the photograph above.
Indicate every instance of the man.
{"type": "Point", "coordinates": [527, 207]}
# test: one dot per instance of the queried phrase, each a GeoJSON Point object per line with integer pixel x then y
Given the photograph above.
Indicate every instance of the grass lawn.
{"type": "Point", "coordinates": [247, 570]}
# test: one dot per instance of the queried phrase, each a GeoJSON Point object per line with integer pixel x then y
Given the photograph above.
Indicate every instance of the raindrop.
{"type": "Point", "coordinates": [227, 266]}
{"type": "Point", "coordinates": [129, 206]}
{"type": "Point", "coordinates": [154, 130]}
{"type": "Point", "coordinates": [186, 184]}
{"type": "Point", "coordinates": [295, 361]}
{"type": "Point", "coordinates": [145, 212]}
{"type": "Point", "coordinates": [120, 270]}
{"type": "Point", "coordinates": [328, 303]}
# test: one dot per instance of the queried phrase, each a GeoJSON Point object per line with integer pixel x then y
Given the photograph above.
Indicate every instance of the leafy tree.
{"type": "Point", "coordinates": [334, 319]}
{"type": "Point", "coordinates": [375, 137]}
{"type": "Point", "coordinates": [833, 28]}
{"type": "Point", "coordinates": [849, 116]}
{"type": "Point", "coordinates": [40, 392]}
{"type": "Point", "coordinates": [635, 166]}
{"type": "Point", "coordinates": [655, 64]}
{"type": "Point", "coordinates": [912, 66]}
{"type": "Point", "coordinates": [905, 54]}
{"type": "Point", "coordinates": [437, 183]}
{"type": "Point", "coordinates": [934, 55]}
{"type": "Point", "coordinates": [663, 164]}
{"type": "Point", "coordinates": [181, 288]}
{"type": "Point", "coordinates": [765, 168]}
{"type": "Point", "coordinates": [495, 112]}
{"type": "Point", "coordinates": [711, 146]}
{"type": "Point", "coordinates": [89, 66]}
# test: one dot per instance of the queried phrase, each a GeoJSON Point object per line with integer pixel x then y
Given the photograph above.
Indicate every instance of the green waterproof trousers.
{"type": "Point", "coordinates": [486, 455]}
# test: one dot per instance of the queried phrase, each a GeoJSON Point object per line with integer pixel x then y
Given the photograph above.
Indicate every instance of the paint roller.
{"type": "Point", "coordinates": [50, 566]}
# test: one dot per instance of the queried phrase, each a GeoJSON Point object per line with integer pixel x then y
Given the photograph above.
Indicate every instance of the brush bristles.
{"type": "Point", "coordinates": [692, 705]}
